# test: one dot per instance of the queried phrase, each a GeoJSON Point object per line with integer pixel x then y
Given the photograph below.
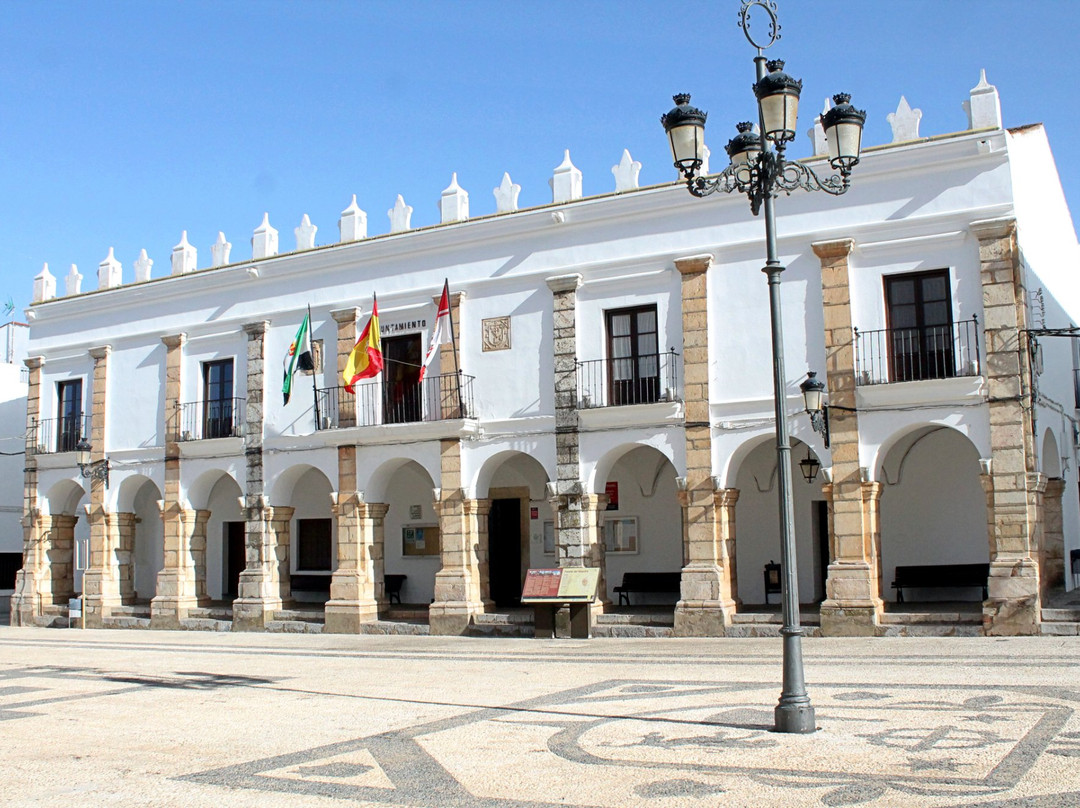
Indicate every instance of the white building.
{"type": "Point", "coordinates": [613, 408]}
{"type": "Point", "coordinates": [13, 337]}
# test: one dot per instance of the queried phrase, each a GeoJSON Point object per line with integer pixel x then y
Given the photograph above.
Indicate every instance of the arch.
{"type": "Point", "coordinates": [199, 491]}
{"type": "Point", "coordinates": [378, 484]}
{"type": "Point", "coordinates": [142, 552]}
{"type": "Point", "coordinates": [602, 470]}
{"type": "Point", "coordinates": [224, 536]}
{"type": "Point", "coordinates": [406, 487]}
{"type": "Point", "coordinates": [525, 464]}
{"type": "Point", "coordinates": [63, 498]}
{"type": "Point", "coordinates": [289, 481]}
{"type": "Point", "coordinates": [729, 473]}
{"type": "Point", "coordinates": [757, 522]}
{"type": "Point", "coordinates": [129, 489]}
{"type": "Point", "coordinates": [1050, 458]}
{"type": "Point", "coordinates": [889, 456]}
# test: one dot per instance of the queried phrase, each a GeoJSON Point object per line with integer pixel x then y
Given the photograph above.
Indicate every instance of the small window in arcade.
{"type": "Point", "coordinates": [313, 545]}
{"type": "Point", "coordinates": [633, 356]}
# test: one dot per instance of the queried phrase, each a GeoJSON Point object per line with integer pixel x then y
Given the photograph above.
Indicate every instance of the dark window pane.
{"type": "Point", "coordinates": [314, 545]}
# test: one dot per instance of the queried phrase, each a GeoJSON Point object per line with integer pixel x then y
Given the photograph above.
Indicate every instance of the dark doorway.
{"type": "Point", "coordinates": [634, 361]}
{"type": "Point", "coordinates": [235, 557]}
{"type": "Point", "coordinates": [919, 312]}
{"type": "Point", "coordinates": [69, 422]}
{"type": "Point", "coordinates": [821, 529]}
{"type": "Point", "coordinates": [218, 399]}
{"type": "Point", "coordinates": [402, 403]}
{"type": "Point", "coordinates": [504, 552]}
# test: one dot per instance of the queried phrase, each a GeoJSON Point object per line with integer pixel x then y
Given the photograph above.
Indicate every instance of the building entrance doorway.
{"type": "Point", "coordinates": [504, 552]}
{"type": "Point", "coordinates": [402, 403]}
{"type": "Point", "coordinates": [235, 557]}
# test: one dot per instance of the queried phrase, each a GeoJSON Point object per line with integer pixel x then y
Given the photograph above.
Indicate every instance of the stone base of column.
{"type": "Point", "coordinates": [25, 602]}
{"type": "Point", "coordinates": [853, 607]}
{"type": "Point", "coordinates": [452, 617]}
{"type": "Point", "coordinates": [252, 614]}
{"type": "Point", "coordinates": [1013, 606]}
{"type": "Point", "coordinates": [100, 596]}
{"type": "Point", "coordinates": [347, 609]}
{"type": "Point", "coordinates": [166, 612]}
{"type": "Point", "coordinates": [701, 610]}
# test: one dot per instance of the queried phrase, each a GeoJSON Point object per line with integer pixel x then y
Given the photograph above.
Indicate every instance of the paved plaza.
{"type": "Point", "coordinates": [109, 718]}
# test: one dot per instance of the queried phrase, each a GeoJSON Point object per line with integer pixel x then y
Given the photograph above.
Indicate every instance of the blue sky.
{"type": "Point", "coordinates": [124, 123]}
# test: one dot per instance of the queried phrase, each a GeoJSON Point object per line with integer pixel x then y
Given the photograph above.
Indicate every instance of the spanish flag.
{"type": "Point", "coordinates": [366, 359]}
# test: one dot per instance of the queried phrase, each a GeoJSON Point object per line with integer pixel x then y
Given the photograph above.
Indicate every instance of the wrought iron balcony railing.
{"type": "Point", "coordinates": [436, 398]}
{"type": "Point", "coordinates": [917, 354]}
{"type": "Point", "coordinates": [59, 434]}
{"type": "Point", "coordinates": [642, 379]}
{"type": "Point", "coordinates": [203, 420]}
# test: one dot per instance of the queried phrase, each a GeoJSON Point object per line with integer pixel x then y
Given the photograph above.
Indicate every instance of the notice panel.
{"type": "Point", "coordinates": [560, 585]}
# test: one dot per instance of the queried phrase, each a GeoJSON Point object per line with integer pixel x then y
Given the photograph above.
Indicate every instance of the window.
{"type": "Point", "coordinates": [218, 399]}
{"type": "Point", "coordinates": [919, 312]}
{"type": "Point", "coordinates": [633, 358]}
{"type": "Point", "coordinates": [401, 379]}
{"type": "Point", "coordinates": [68, 415]}
{"type": "Point", "coordinates": [314, 547]}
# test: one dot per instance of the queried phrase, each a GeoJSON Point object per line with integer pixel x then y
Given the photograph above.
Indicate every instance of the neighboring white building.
{"type": "Point", "coordinates": [613, 408]}
{"type": "Point", "coordinates": [13, 337]}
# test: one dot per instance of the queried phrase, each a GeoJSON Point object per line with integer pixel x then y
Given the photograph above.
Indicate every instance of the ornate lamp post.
{"type": "Point", "coordinates": [759, 170]}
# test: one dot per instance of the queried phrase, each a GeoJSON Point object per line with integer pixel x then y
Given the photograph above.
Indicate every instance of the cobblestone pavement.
{"type": "Point", "coordinates": [126, 718]}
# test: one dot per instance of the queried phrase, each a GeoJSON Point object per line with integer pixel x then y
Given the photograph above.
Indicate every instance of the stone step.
{"type": "Point", "coordinates": [299, 616]}
{"type": "Point", "coordinates": [394, 627]}
{"type": "Point", "coordinates": [753, 630]}
{"type": "Point", "coordinates": [503, 618]}
{"type": "Point", "coordinates": [933, 618]}
{"type": "Point", "coordinates": [294, 626]}
{"type": "Point", "coordinates": [1061, 615]}
{"type": "Point", "coordinates": [205, 624]}
{"type": "Point", "coordinates": [121, 621]}
{"type": "Point", "coordinates": [211, 613]}
{"type": "Point", "coordinates": [615, 630]}
{"type": "Point", "coordinates": [807, 618]}
{"type": "Point", "coordinates": [136, 610]}
{"type": "Point", "coordinates": [615, 619]}
{"type": "Point", "coordinates": [1060, 629]}
{"type": "Point", "coordinates": [930, 630]}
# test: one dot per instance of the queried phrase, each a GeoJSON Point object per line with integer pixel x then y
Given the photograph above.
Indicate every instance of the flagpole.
{"type": "Point", "coordinates": [314, 383]}
{"type": "Point", "coordinates": [453, 345]}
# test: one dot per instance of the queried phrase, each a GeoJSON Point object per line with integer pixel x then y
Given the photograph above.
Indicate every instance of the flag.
{"type": "Point", "coordinates": [366, 359]}
{"type": "Point", "coordinates": [441, 332]}
{"type": "Point", "coordinates": [298, 356]}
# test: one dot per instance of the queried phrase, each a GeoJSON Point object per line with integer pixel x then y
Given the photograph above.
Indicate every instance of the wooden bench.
{"type": "Point", "coordinates": [648, 583]}
{"type": "Point", "coordinates": [940, 576]}
{"type": "Point", "coordinates": [393, 585]}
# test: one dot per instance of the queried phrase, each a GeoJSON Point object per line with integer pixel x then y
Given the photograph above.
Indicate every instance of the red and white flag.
{"type": "Point", "coordinates": [442, 332]}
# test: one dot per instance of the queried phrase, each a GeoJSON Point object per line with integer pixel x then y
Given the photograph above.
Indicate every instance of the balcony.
{"type": "Point", "coordinates": [917, 354]}
{"type": "Point", "coordinates": [52, 435]}
{"type": "Point", "coordinates": [643, 379]}
{"type": "Point", "coordinates": [376, 403]}
{"type": "Point", "coordinates": [205, 420]}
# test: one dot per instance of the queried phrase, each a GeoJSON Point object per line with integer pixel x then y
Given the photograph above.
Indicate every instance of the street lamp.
{"type": "Point", "coordinates": [759, 170]}
{"type": "Point", "coordinates": [91, 470]}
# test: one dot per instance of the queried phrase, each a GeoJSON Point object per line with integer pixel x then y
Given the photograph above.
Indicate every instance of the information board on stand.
{"type": "Point", "coordinates": [566, 585]}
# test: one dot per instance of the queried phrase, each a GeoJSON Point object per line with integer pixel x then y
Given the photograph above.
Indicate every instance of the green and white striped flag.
{"type": "Point", "coordinates": [299, 356]}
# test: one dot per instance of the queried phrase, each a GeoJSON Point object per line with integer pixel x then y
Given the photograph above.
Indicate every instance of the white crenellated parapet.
{"type": "Point", "coordinates": [44, 285]}
{"type": "Point", "coordinates": [110, 273]}
{"type": "Point", "coordinates": [566, 182]}
{"type": "Point", "coordinates": [143, 264]}
{"type": "Point", "coordinates": [904, 122]}
{"type": "Point", "coordinates": [626, 172]}
{"type": "Point", "coordinates": [352, 226]}
{"type": "Point", "coordinates": [818, 141]}
{"type": "Point", "coordinates": [400, 215]}
{"type": "Point", "coordinates": [454, 202]}
{"type": "Point", "coordinates": [73, 282]}
{"type": "Point", "coordinates": [984, 106]}
{"type": "Point", "coordinates": [185, 257]}
{"type": "Point", "coordinates": [264, 241]}
{"type": "Point", "coordinates": [506, 195]}
{"type": "Point", "coordinates": [219, 251]}
{"type": "Point", "coordinates": [305, 234]}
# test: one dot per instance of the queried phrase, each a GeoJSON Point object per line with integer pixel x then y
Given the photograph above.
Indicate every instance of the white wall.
{"type": "Point", "coordinates": [410, 486]}
{"type": "Point", "coordinates": [224, 507]}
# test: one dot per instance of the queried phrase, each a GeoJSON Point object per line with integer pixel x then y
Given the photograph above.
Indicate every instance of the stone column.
{"type": "Point", "coordinates": [60, 548]}
{"type": "Point", "coordinates": [26, 601]}
{"type": "Point", "coordinates": [198, 555]}
{"type": "Point", "coordinates": [101, 581]}
{"type": "Point", "coordinates": [176, 593]}
{"type": "Point", "coordinates": [263, 583]}
{"type": "Point", "coordinates": [853, 588]}
{"type": "Point", "coordinates": [457, 584]}
{"type": "Point", "coordinates": [353, 592]}
{"type": "Point", "coordinates": [703, 609]}
{"type": "Point", "coordinates": [1052, 550]}
{"type": "Point", "coordinates": [449, 363]}
{"type": "Point", "coordinates": [125, 556]}
{"type": "Point", "coordinates": [346, 339]}
{"type": "Point", "coordinates": [1015, 495]}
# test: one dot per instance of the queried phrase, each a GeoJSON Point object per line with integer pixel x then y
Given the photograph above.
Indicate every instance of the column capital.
{"type": "Point", "coordinates": [34, 362]}
{"type": "Point", "coordinates": [726, 496]}
{"type": "Point", "coordinates": [101, 352]}
{"type": "Point", "coordinates": [345, 316]}
{"type": "Point", "coordinates": [992, 229]}
{"type": "Point", "coordinates": [694, 264]}
{"type": "Point", "coordinates": [564, 283]}
{"type": "Point", "coordinates": [256, 329]}
{"type": "Point", "coordinates": [455, 298]}
{"type": "Point", "coordinates": [839, 248]}
{"type": "Point", "coordinates": [174, 341]}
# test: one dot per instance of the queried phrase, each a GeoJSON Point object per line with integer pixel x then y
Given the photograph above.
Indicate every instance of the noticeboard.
{"type": "Point", "coordinates": [568, 585]}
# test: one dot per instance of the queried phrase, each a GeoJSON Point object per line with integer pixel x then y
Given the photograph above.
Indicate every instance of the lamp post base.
{"type": "Point", "coordinates": [797, 718]}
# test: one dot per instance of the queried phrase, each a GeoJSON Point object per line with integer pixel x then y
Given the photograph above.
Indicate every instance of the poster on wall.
{"type": "Point", "coordinates": [612, 491]}
{"type": "Point", "coordinates": [621, 535]}
{"type": "Point", "coordinates": [420, 540]}
{"type": "Point", "coordinates": [549, 538]}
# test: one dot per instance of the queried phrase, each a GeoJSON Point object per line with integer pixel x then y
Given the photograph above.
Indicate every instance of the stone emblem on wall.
{"type": "Point", "coordinates": [495, 333]}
